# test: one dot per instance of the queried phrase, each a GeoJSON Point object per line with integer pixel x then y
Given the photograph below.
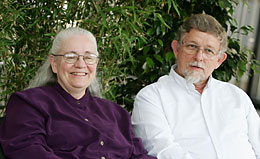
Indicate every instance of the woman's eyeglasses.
{"type": "Point", "coordinates": [71, 58]}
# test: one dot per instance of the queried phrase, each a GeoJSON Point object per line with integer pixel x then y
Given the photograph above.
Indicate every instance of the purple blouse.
{"type": "Point", "coordinates": [48, 123]}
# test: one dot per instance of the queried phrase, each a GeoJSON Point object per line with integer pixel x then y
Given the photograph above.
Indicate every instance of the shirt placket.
{"type": "Point", "coordinates": [205, 106]}
{"type": "Point", "coordinates": [100, 142]}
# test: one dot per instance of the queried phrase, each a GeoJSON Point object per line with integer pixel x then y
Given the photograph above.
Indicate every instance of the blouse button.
{"type": "Point", "coordinates": [86, 119]}
{"type": "Point", "coordinates": [78, 102]}
{"type": "Point", "coordinates": [102, 143]}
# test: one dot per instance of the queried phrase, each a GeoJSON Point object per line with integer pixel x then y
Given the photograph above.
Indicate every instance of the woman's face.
{"type": "Point", "coordinates": [75, 77]}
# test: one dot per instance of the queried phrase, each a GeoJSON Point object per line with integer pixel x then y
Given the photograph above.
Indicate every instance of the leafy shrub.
{"type": "Point", "coordinates": [133, 37]}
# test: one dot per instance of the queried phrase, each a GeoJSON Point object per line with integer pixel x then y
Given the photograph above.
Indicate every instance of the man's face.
{"type": "Point", "coordinates": [197, 56]}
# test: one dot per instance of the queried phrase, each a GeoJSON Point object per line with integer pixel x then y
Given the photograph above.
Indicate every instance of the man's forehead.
{"type": "Point", "coordinates": [199, 37]}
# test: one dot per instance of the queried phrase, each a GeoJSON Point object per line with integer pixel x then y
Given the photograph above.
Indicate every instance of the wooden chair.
{"type": "Point", "coordinates": [1, 150]}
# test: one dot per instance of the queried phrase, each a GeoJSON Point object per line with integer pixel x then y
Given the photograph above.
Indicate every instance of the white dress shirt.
{"type": "Point", "coordinates": [177, 122]}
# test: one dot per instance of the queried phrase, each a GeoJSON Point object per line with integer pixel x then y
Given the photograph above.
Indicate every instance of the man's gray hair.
{"type": "Point", "coordinates": [204, 23]}
{"type": "Point", "coordinates": [45, 76]}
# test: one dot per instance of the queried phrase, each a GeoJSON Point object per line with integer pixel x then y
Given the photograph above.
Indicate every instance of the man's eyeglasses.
{"type": "Point", "coordinates": [71, 58]}
{"type": "Point", "coordinates": [191, 48]}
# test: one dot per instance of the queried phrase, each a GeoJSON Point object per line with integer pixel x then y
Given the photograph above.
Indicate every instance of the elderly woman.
{"type": "Point", "coordinates": [62, 119]}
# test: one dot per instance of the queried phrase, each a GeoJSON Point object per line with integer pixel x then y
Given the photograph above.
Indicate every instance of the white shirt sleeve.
{"type": "Point", "coordinates": [253, 121]}
{"type": "Point", "coordinates": [150, 124]}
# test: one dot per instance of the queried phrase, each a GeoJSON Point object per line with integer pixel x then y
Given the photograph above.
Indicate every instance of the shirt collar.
{"type": "Point", "coordinates": [183, 83]}
{"type": "Point", "coordinates": [209, 83]}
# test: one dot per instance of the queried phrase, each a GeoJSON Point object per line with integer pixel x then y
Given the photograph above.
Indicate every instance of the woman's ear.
{"type": "Point", "coordinates": [53, 63]}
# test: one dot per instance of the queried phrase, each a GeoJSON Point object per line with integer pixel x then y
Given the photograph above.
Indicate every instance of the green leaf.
{"type": "Point", "coordinates": [169, 5]}
{"type": "Point", "coordinates": [169, 56]}
{"type": "Point", "coordinates": [160, 42]}
{"type": "Point", "coordinates": [159, 58]}
{"type": "Point", "coordinates": [246, 29]}
{"type": "Point", "coordinates": [6, 42]}
{"type": "Point", "coordinates": [176, 7]}
{"type": "Point", "coordinates": [34, 23]}
{"type": "Point", "coordinates": [149, 62]}
{"type": "Point", "coordinates": [153, 77]}
{"type": "Point", "coordinates": [159, 16]}
{"type": "Point", "coordinates": [242, 66]}
{"type": "Point", "coordinates": [50, 34]}
{"type": "Point", "coordinates": [224, 4]}
{"type": "Point", "coordinates": [221, 4]}
{"type": "Point", "coordinates": [146, 49]}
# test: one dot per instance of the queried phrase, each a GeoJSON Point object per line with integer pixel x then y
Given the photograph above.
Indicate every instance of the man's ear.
{"type": "Point", "coordinates": [174, 45]}
{"type": "Point", "coordinates": [53, 63]}
{"type": "Point", "coordinates": [221, 59]}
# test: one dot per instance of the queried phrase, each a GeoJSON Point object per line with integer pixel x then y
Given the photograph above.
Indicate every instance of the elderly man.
{"type": "Point", "coordinates": [190, 115]}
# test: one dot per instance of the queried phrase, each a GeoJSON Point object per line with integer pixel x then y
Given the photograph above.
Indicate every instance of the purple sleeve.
{"type": "Point", "coordinates": [23, 131]}
{"type": "Point", "coordinates": [139, 151]}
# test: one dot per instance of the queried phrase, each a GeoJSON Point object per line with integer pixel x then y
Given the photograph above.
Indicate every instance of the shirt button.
{"type": "Point", "coordinates": [103, 157]}
{"type": "Point", "coordinates": [86, 119]}
{"type": "Point", "coordinates": [102, 143]}
{"type": "Point", "coordinates": [78, 102]}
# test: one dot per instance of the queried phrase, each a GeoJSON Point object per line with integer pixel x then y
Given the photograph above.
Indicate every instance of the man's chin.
{"type": "Point", "coordinates": [194, 77]}
{"type": "Point", "coordinates": [193, 80]}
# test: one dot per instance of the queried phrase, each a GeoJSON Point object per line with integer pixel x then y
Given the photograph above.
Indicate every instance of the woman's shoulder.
{"type": "Point", "coordinates": [36, 93]}
{"type": "Point", "coordinates": [109, 105]}
{"type": "Point", "coordinates": [38, 98]}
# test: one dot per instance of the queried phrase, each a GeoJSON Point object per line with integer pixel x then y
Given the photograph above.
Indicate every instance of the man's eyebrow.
{"type": "Point", "coordinates": [207, 46]}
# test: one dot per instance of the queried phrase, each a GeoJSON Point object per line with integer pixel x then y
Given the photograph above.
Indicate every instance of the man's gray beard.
{"type": "Point", "coordinates": [191, 78]}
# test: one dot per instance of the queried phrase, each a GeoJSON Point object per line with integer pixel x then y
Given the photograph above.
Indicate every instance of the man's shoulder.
{"type": "Point", "coordinates": [154, 88]}
{"type": "Point", "coordinates": [224, 84]}
{"type": "Point", "coordinates": [227, 87]}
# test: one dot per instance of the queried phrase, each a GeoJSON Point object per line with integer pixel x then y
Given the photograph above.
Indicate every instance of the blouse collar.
{"type": "Point", "coordinates": [73, 101]}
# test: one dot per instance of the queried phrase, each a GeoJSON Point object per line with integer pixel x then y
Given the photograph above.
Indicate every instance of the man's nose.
{"type": "Point", "coordinates": [199, 54]}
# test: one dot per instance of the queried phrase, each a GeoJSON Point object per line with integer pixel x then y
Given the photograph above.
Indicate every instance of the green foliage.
{"type": "Point", "coordinates": [134, 39]}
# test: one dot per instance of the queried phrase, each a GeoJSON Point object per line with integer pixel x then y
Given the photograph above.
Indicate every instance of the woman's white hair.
{"type": "Point", "coordinates": [44, 76]}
